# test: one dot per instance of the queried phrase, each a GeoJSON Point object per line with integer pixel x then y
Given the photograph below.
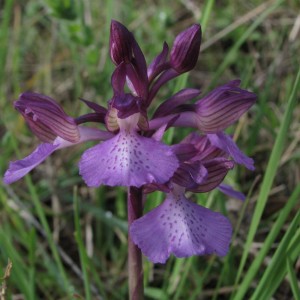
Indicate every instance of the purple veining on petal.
{"type": "Point", "coordinates": [40, 130]}
{"type": "Point", "coordinates": [206, 151]}
{"type": "Point", "coordinates": [183, 228]}
{"type": "Point", "coordinates": [216, 111]}
{"type": "Point", "coordinates": [127, 160]}
{"type": "Point", "coordinates": [217, 169]}
{"type": "Point", "coordinates": [190, 175]}
{"type": "Point", "coordinates": [20, 168]}
{"type": "Point", "coordinates": [229, 191]}
{"type": "Point", "coordinates": [223, 106]}
{"type": "Point", "coordinates": [226, 143]}
{"type": "Point", "coordinates": [184, 151]}
{"type": "Point", "coordinates": [46, 118]}
{"type": "Point", "coordinates": [86, 134]}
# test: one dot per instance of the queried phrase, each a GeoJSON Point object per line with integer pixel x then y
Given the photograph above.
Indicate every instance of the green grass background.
{"type": "Point", "coordinates": [66, 241]}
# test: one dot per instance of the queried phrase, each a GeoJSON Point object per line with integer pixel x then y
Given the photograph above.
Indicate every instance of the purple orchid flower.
{"type": "Point", "coordinates": [178, 226]}
{"type": "Point", "coordinates": [130, 152]}
{"type": "Point", "coordinates": [181, 227]}
{"type": "Point", "coordinates": [53, 126]}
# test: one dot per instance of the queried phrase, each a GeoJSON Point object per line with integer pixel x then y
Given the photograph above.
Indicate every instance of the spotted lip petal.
{"type": "Point", "coordinates": [181, 227]}
{"type": "Point", "coordinates": [128, 160]}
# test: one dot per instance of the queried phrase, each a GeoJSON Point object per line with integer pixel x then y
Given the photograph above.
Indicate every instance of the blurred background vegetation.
{"type": "Point", "coordinates": [66, 241]}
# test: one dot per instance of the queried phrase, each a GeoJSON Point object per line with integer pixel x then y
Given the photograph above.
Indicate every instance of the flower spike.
{"type": "Point", "coordinates": [131, 151]}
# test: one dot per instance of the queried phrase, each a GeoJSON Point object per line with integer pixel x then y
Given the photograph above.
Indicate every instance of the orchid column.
{"type": "Point", "coordinates": [131, 154]}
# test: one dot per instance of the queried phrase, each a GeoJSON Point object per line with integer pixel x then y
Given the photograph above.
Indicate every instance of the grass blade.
{"type": "Point", "coordinates": [82, 252]}
{"type": "Point", "coordinates": [269, 176]}
{"type": "Point", "coordinates": [293, 279]}
{"type": "Point", "coordinates": [276, 269]}
{"type": "Point", "coordinates": [42, 217]}
{"type": "Point", "coordinates": [255, 265]}
{"type": "Point", "coordinates": [232, 54]}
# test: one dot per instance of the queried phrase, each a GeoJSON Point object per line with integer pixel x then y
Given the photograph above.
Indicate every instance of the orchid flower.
{"type": "Point", "coordinates": [178, 226]}
{"type": "Point", "coordinates": [131, 152]}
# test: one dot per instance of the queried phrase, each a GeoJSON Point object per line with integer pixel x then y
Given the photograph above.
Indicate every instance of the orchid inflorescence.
{"type": "Point", "coordinates": [132, 154]}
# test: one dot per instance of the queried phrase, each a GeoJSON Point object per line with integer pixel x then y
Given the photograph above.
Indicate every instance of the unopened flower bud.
{"type": "Point", "coordinates": [120, 43]}
{"type": "Point", "coordinates": [185, 50]}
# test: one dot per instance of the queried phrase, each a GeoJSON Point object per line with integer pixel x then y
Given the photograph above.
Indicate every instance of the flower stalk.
{"type": "Point", "coordinates": [135, 267]}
